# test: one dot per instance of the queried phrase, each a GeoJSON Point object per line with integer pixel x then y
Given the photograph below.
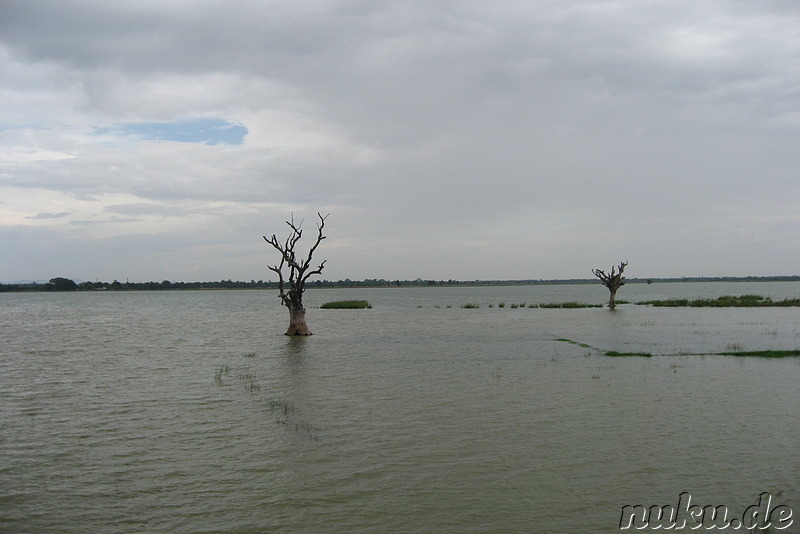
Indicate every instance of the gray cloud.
{"type": "Point", "coordinates": [145, 209]}
{"type": "Point", "coordinates": [49, 215]}
{"type": "Point", "coordinates": [496, 140]}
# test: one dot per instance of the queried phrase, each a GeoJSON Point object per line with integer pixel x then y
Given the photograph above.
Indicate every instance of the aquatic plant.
{"type": "Point", "coordinates": [221, 371]}
{"type": "Point", "coordinates": [727, 301]}
{"type": "Point", "coordinates": [624, 354]}
{"type": "Point", "coordinates": [734, 349]}
{"type": "Point", "coordinates": [573, 342]}
{"type": "Point", "coordinates": [763, 353]}
{"type": "Point", "coordinates": [569, 305]}
{"type": "Point", "coordinates": [280, 405]}
{"type": "Point", "coordinates": [346, 305]}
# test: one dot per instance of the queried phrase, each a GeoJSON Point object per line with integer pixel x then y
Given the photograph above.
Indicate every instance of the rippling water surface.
{"type": "Point", "coordinates": [190, 412]}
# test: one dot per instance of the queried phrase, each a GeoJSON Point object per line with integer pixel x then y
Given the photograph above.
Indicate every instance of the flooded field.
{"type": "Point", "coordinates": [191, 412]}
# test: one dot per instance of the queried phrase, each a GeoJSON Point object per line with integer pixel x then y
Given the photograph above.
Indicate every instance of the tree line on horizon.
{"type": "Point", "coordinates": [66, 284]}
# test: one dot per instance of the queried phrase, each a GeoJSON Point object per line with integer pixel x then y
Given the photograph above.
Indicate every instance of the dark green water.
{"type": "Point", "coordinates": [190, 412]}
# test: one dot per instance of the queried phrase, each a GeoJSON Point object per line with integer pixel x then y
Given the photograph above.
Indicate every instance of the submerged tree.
{"type": "Point", "coordinates": [298, 274]}
{"type": "Point", "coordinates": [612, 281]}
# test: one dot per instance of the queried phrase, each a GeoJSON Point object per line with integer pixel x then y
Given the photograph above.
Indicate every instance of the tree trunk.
{"type": "Point", "coordinates": [612, 304]}
{"type": "Point", "coordinates": [297, 322]}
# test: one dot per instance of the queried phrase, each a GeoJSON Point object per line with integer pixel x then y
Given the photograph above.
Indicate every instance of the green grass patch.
{"type": "Point", "coordinates": [615, 353]}
{"type": "Point", "coordinates": [728, 301]}
{"type": "Point", "coordinates": [752, 354]}
{"type": "Point", "coordinates": [346, 305]}
{"type": "Point", "coordinates": [763, 353]}
{"type": "Point", "coordinates": [578, 343]}
{"type": "Point", "coordinates": [569, 305]}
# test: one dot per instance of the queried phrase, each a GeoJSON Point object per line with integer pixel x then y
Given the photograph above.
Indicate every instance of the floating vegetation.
{"type": "Point", "coordinates": [763, 353]}
{"type": "Point", "coordinates": [578, 343]}
{"type": "Point", "coordinates": [277, 410]}
{"type": "Point", "coordinates": [729, 301]}
{"type": "Point", "coordinates": [221, 371]}
{"type": "Point", "coordinates": [249, 355]}
{"type": "Point", "coordinates": [308, 429]}
{"type": "Point", "coordinates": [734, 349]}
{"type": "Point", "coordinates": [346, 305]}
{"type": "Point", "coordinates": [245, 376]}
{"type": "Point", "coordinates": [280, 406]}
{"type": "Point", "coordinates": [569, 305]}
{"type": "Point", "coordinates": [615, 353]}
{"type": "Point", "coordinates": [515, 305]}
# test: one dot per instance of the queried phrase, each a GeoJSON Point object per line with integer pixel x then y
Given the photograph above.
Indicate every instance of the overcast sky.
{"type": "Point", "coordinates": [159, 140]}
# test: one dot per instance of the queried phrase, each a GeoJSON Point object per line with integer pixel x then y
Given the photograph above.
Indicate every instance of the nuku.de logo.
{"type": "Point", "coordinates": [759, 516]}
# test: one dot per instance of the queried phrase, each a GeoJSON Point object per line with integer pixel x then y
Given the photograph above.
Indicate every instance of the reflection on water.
{"type": "Point", "coordinates": [295, 348]}
{"type": "Point", "coordinates": [191, 412]}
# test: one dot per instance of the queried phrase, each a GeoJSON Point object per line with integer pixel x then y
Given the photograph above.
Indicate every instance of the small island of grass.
{"type": "Point", "coordinates": [346, 305]}
{"type": "Point", "coordinates": [729, 301]}
{"type": "Point", "coordinates": [618, 354]}
{"type": "Point", "coordinates": [763, 353]}
{"type": "Point", "coordinates": [568, 305]}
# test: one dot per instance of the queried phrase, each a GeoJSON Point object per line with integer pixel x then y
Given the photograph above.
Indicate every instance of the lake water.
{"type": "Point", "coordinates": [191, 412]}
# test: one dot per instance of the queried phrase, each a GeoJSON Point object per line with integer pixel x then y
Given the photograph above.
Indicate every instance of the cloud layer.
{"type": "Point", "coordinates": [462, 139]}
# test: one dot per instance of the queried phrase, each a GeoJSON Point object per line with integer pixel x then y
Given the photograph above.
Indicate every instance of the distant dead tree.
{"type": "Point", "coordinates": [299, 271]}
{"type": "Point", "coordinates": [612, 281]}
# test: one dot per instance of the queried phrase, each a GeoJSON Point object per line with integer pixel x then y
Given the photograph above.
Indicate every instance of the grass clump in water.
{"type": "Point", "coordinates": [471, 305]}
{"type": "Point", "coordinates": [728, 301]}
{"type": "Point", "coordinates": [573, 342]}
{"type": "Point", "coordinates": [615, 353]}
{"type": "Point", "coordinates": [569, 305]}
{"type": "Point", "coordinates": [346, 305]}
{"type": "Point", "coordinates": [763, 353]}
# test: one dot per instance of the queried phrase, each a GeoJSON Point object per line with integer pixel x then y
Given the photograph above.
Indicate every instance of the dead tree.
{"type": "Point", "coordinates": [299, 271]}
{"type": "Point", "coordinates": [612, 281]}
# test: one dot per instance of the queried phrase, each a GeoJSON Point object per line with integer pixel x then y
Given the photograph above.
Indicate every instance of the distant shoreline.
{"type": "Point", "coordinates": [64, 284]}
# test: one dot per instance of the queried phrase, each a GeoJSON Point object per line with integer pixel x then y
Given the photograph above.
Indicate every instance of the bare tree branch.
{"type": "Point", "coordinates": [613, 281]}
{"type": "Point", "coordinates": [299, 271]}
